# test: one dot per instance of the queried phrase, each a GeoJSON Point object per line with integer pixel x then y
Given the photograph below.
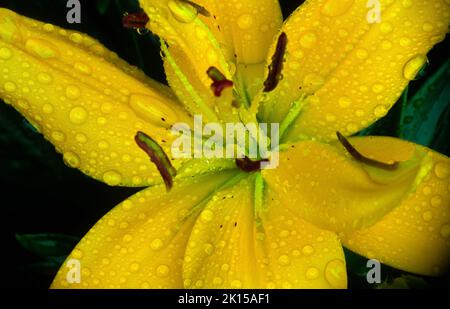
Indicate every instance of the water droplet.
{"type": "Point", "coordinates": [44, 78]}
{"type": "Point", "coordinates": [209, 249]}
{"type": "Point", "coordinates": [426, 190]}
{"type": "Point", "coordinates": [48, 27]}
{"type": "Point", "coordinates": [427, 27]}
{"type": "Point", "coordinates": [312, 273]}
{"type": "Point", "coordinates": [83, 68]}
{"type": "Point", "coordinates": [445, 230]}
{"type": "Point", "coordinates": [312, 82]}
{"type": "Point", "coordinates": [436, 201]}
{"type": "Point", "coordinates": [380, 111]}
{"type": "Point", "coordinates": [386, 44]}
{"type": "Point", "coordinates": [405, 41]}
{"type": "Point", "coordinates": [162, 271]}
{"type": "Point", "coordinates": [134, 267]}
{"type": "Point", "coordinates": [71, 159]}
{"type": "Point", "coordinates": [156, 244]}
{"type": "Point", "coordinates": [334, 8]}
{"type": "Point", "coordinates": [307, 250]}
{"type": "Point", "coordinates": [112, 178]}
{"type": "Point", "coordinates": [386, 27]}
{"type": "Point", "coordinates": [58, 136]}
{"type": "Point", "coordinates": [81, 138]}
{"type": "Point", "coordinates": [442, 170]}
{"type": "Point", "coordinates": [127, 238]}
{"type": "Point", "coordinates": [78, 115]}
{"type": "Point", "coordinates": [308, 40]}
{"type": "Point", "coordinates": [73, 92]}
{"type": "Point", "coordinates": [330, 117]}
{"type": "Point", "coordinates": [127, 205]}
{"type": "Point", "coordinates": [427, 216]}
{"type": "Point", "coordinates": [413, 66]}
{"type": "Point", "coordinates": [106, 108]}
{"type": "Point", "coordinates": [153, 110]}
{"type": "Point", "coordinates": [344, 102]}
{"type": "Point", "coordinates": [77, 254]}
{"type": "Point", "coordinates": [76, 37]}
{"type": "Point", "coordinates": [47, 108]}
{"type": "Point", "coordinates": [217, 281]}
{"type": "Point", "coordinates": [377, 88]}
{"type": "Point", "coordinates": [103, 145]}
{"type": "Point", "coordinates": [284, 260]}
{"type": "Point", "coordinates": [245, 21]}
{"type": "Point", "coordinates": [182, 12]}
{"type": "Point", "coordinates": [207, 215]}
{"type": "Point", "coordinates": [406, 3]}
{"type": "Point", "coordinates": [351, 128]}
{"type": "Point", "coordinates": [5, 53]}
{"type": "Point", "coordinates": [236, 284]}
{"type": "Point", "coordinates": [335, 274]}
{"type": "Point", "coordinates": [9, 87]}
{"type": "Point", "coordinates": [41, 48]}
{"type": "Point", "coordinates": [361, 53]}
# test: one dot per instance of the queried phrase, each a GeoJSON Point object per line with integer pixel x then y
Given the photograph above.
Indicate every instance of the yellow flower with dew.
{"type": "Point", "coordinates": [224, 223]}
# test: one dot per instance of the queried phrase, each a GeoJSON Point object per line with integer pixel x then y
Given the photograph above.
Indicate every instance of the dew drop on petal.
{"type": "Point", "coordinates": [73, 92]}
{"type": "Point", "coordinates": [41, 48]}
{"type": "Point", "coordinates": [413, 66]}
{"type": "Point", "coordinates": [335, 274]}
{"type": "Point", "coordinates": [78, 115]}
{"type": "Point", "coordinates": [182, 12]}
{"type": "Point", "coordinates": [5, 53]}
{"type": "Point", "coordinates": [162, 271]}
{"type": "Point", "coordinates": [335, 8]}
{"type": "Point", "coordinates": [112, 178]}
{"type": "Point", "coordinates": [71, 159]}
{"type": "Point", "coordinates": [442, 170]}
{"type": "Point", "coordinates": [312, 273]}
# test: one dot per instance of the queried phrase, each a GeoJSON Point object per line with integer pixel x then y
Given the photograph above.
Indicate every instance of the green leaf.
{"type": "Point", "coordinates": [425, 115]}
{"type": "Point", "coordinates": [48, 246]}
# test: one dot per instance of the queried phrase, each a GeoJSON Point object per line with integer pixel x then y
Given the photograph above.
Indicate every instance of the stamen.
{"type": "Point", "coordinates": [276, 67]}
{"type": "Point", "coordinates": [136, 21]}
{"type": "Point", "coordinates": [220, 82]}
{"type": "Point", "coordinates": [363, 159]}
{"type": "Point", "coordinates": [200, 9]}
{"type": "Point", "coordinates": [248, 165]}
{"type": "Point", "coordinates": [158, 157]}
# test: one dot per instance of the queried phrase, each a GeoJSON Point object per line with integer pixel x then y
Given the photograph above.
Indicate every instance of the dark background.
{"type": "Point", "coordinates": [47, 207]}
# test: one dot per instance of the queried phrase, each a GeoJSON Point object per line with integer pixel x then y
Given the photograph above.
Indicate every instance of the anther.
{"type": "Point", "coordinates": [220, 82]}
{"type": "Point", "coordinates": [158, 157]}
{"type": "Point", "coordinates": [247, 165]}
{"type": "Point", "coordinates": [363, 159]}
{"type": "Point", "coordinates": [276, 66]}
{"type": "Point", "coordinates": [136, 21]}
{"type": "Point", "coordinates": [200, 9]}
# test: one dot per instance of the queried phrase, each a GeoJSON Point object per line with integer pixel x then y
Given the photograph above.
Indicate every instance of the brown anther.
{"type": "Point", "coordinates": [135, 20]}
{"type": "Point", "coordinates": [363, 159]}
{"type": "Point", "coordinates": [247, 165]}
{"type": "Point", "coordinates": [220, 82]}
{"type": "Point", "coordinates": [276, 67]}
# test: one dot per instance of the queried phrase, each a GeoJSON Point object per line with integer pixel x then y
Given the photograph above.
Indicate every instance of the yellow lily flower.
{"type": "Point", "coordinates": [326, 69]}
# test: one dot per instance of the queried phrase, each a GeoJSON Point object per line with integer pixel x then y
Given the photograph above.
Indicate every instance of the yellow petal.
{"type": "Point", "coordinates": [141, 242]}
{"type": "Point", "coordinates": [230, 247]}
{"type": "Point", "coordinates": [328, 188]}
{"type": "Point", "coordinates": [193, 50]}
{"type": "Point", "coordinates": [415, 236]}
{"type": "Point", "coordinates": [245, 31]}
{"type": "Point", "coordinates": [84, 99]}
{"type": "Point", "coordinates": [352, 71]}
